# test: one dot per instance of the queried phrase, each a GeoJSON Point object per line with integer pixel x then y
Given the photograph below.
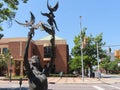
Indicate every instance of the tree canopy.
{"type": "Point", "coordinates": [7, 10]}
{"type": "Point", "coordinates": [110, 66]}
{"type": "Point", "coordinates": [89, 51]}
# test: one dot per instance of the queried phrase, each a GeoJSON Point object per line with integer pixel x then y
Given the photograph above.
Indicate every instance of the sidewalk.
{"type": "Point", "coordinates": [55, 80]}
{"type": "Point", "coordinates": [79, 80]}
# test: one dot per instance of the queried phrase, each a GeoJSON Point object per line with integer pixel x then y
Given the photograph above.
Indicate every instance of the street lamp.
{"type": "Point", "coordinates": [11, 68]}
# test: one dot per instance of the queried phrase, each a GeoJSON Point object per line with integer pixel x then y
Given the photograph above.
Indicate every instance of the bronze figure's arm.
{"type": "Point", "coordinates": [26, 62]}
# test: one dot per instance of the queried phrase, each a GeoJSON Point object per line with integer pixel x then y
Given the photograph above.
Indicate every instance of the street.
{"type": "Point", "coordinates": [84, 87]}
{"type": "Point", "coordinates": [70, 87]}
{"type": "Point", "coordinates": [67, 83]}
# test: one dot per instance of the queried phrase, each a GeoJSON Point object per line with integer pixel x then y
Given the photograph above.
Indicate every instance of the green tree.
{"type": "Point", "coordinates": [104, 64]}
{"type": "Point", "coordinates": [113, 66]}
{"type": "Point", "coordinates": [5, 60]}
{"type": "Point", "coordinates": [2, 61]}
{"type": "Point", "coordinates": [89, 51]}
{"type": "Point", "coordinates": [3, 64]}
{"type": "Point", "coordinates": [7, 10]}
{"type": "Point", "coordinates": [75, 64]}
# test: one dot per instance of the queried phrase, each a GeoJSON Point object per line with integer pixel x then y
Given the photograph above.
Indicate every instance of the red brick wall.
{"type": "Point", "coordinates": [41, 55]}
{"type": "Point", "coordinates": [14, 48]}
{"type": "Point", "coordinates": [29, 51]}
{"type": "Point", "coordinates": [61, 58]}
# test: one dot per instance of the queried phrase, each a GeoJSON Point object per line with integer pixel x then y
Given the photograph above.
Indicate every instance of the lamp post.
{"type": "Point", "coordinates": [11, 68]}
{"type": "Point", "coordinates": [81, 49]}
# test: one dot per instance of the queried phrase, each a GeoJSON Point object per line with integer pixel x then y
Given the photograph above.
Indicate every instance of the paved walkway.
{"type": "Point", "coordinates": [56, 80]}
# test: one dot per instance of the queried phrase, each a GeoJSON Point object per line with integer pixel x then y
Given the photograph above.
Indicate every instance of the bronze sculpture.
{"type": "Point", "coordinates": [50, 30]}
{"type": "Point", "coordinates": [37, 79]}
{"type": "Point", "coordinates": [50, 15]}
{"type": "Point", "coordinates": [37, 75]}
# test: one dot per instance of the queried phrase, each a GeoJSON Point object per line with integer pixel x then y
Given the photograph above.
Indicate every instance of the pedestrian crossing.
{"type": "Point", "coordinates": [115, 87]}
{"type": "Point", "coordinates": [98, 88]}
{"type": "Point", "coordinates": [110, 87]}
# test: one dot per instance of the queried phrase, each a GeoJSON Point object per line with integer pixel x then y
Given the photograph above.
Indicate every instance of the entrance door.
{"type": "Point", "coordinates": [17, 68]}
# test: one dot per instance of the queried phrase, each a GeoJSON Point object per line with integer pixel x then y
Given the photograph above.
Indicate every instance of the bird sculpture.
{"type": "Point", "coordinates": [52, 9]}
{"type": "Point", "coordinates": [31, 24]}
{"type": "Point", "coordinates": [28, 23]}
{"type": "Point", "coordinates": [51, 15]}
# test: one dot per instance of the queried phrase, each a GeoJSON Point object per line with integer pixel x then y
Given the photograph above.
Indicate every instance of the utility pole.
{"type": "Point", "coordinates": [98, 62]}
{"type": "Point", "coordinates": [81, 49]}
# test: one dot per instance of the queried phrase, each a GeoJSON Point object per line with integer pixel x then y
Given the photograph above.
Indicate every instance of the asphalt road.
{"type": "Point", "coordinates": [98, 86]}
{"type": "Point", "coordinates": [66, 83]}
{"type": "Point", "coordinates": [84, 87]}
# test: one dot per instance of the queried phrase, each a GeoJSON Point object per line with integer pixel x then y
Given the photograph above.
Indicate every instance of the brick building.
{"type": "Point", "coordinates": [41, 47]}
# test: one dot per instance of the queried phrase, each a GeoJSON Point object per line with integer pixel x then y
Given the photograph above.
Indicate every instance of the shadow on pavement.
{"type": "Point", "coordinates": [23, 88]}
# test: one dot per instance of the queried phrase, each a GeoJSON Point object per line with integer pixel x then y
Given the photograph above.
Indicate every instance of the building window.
{"type": "Point", "coordinates": [5, 50]}
{"type": "Point", "coordinates": [47, 51]}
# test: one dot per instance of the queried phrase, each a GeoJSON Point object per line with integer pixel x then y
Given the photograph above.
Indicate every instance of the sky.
{"type": "Point", "coordinates": [99, 16]}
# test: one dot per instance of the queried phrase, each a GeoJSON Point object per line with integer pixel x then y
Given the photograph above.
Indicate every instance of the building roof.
{"type": "Point", "coordinates": [48, 37]}
{"type": "Point", "coordinates": [6, 40]}
{"type": "Point", "coordinates": [41, 41]}
{"type": "Point", "coordinates": [46, 40]}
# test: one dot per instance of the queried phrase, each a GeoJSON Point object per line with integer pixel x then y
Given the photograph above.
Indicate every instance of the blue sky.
{"type": "Point", "coordinates": [99, 16]}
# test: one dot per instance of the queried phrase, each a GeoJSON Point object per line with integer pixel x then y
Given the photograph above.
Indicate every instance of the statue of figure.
{"type": "Point", "coordinates": [37, 75]}
{"type": "Point", "coordinates": [37, 79]}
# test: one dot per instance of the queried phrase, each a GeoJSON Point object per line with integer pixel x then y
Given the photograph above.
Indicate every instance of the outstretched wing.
{"type": "Point", "coordinates": [48, 30]}
{"type": "Point", "coordinates": [45, 14]}
{"type": "Point", "coordinates": [54, 8]}
{"type": "Point", "coordinates": [30, 23]}
{"type": "Point", "coordinates": [23, 24]}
